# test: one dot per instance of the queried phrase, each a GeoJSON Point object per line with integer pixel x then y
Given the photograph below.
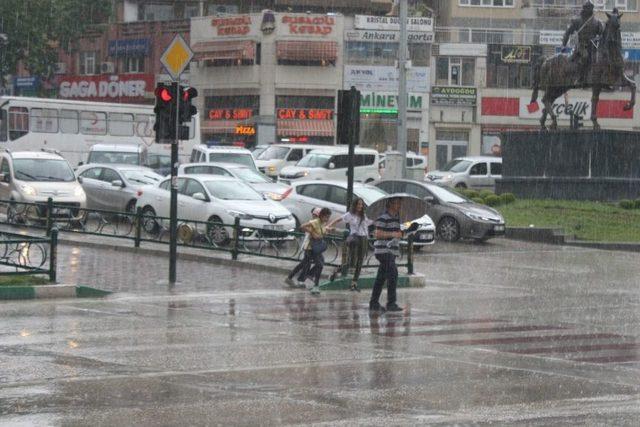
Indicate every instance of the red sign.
{"type": "Point", "coordinates": [305, 114]}
{"type": "Point", "coordinates": [111, 88]}
{"type": "Point", "coordinates": [230, 113]}
{"type": "Point", "coordinates": [314, 25]}
{"type": "Point", "coordinates": [232, 26]}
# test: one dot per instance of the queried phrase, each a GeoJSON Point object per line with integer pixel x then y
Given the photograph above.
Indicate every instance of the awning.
{"type": "Point", "coordinates": [229, 49]}
{"type": "Point", "coordinates": [305, 128]}
{"type": "Point", "coordinates": [219, 126]}
{"type": "Point", "coordinates": [305, 50]}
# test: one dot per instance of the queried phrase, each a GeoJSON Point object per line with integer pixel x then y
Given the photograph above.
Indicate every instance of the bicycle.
{"type": "Point", "coordinates": [22, 254]}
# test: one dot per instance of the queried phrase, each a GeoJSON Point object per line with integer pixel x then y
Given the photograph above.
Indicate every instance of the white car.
{"type": "Point", "coordinates": [216, 200]}
{"type": "Point", "coordinates": [224, 154]}
{"type": "Point", "coordinates": [478, 172]}
{"type": "Point", "coordinates": [332, 164]}
{"type": "Point", "coordinates": [271, 161]}
{"type": "Point", "coordinates": [307, 195]}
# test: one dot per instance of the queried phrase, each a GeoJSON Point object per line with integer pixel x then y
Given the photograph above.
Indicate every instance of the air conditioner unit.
{"type": "Point", "coordinates": [60, 68]}
{"type": "Point", "coordinates": [107, 68]}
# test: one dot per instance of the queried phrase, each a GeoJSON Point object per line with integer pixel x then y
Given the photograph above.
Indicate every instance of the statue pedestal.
{"type": "Point", "coordinates": [599, 165]}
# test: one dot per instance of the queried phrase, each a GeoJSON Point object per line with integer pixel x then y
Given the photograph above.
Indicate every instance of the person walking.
{"type": "Point", "coordinates": [303, 266]}
{"type": "Point", "coordinates": [386, 249]}
{"type": "Point", "coordinates": [357, 240]}
{"type": "Point", "coordinates": [317, 229]}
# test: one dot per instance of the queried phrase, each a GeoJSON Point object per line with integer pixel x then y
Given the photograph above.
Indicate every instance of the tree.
{"type": "Point", "coordinates": [37, 29]}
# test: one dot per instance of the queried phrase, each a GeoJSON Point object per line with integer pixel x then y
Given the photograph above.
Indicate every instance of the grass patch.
{"type": "Point", "coordinates": [593, 221]}
{"type": "Point", "coordinates": [23, 280]}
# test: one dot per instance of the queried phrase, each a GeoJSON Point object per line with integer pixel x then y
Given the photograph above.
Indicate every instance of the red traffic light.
{"type": "Point", "coordinates": [189, 93]}
{"type": "Point", "coordinates": [164, 94]}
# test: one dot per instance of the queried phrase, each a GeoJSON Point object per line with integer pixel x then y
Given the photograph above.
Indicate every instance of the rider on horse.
{"type": "Point", "coordinates": [589, 29]}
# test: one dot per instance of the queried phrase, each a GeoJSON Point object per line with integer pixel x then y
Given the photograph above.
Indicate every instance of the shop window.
{"type": "Point", "coordinates": [87, 63]}
{"type": "Point", "coordinates": [487, 3]}
{"type": "Point", "coordinates": [381, 53]}
{"type": "Point", "coordinates": [133, 64]}
{"type": "Point", "coordinates": [508, 74]}
{"type": "Point", "coordinates": [452, 71]}
{"type": "Point", "coordinates": [18, 122]}
{"type": "Point", "coordinates": [320, 102]}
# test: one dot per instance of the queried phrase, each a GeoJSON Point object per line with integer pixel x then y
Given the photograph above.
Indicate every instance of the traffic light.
{"type": "Point", "coordinates": [165, 110]}
{"type": "Point", "coordinates": [348, 116]}
{"type": "Point", "coordinates": [187, 109]}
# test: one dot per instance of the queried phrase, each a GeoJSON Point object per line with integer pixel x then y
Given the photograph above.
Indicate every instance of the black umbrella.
{"type": "Point", "coordinates": [411, 207]}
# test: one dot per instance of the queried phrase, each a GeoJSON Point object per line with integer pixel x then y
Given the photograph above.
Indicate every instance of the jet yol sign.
{"type": "Point", "coordinates": [579, 106]}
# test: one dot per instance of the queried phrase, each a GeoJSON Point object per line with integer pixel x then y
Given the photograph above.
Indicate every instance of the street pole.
{"type": "Point", "coordinates": [173, 209]}
{"type": "Point", "coordinates": [402, 87]}
{"type": "Point", "coordinates": [354, 117]}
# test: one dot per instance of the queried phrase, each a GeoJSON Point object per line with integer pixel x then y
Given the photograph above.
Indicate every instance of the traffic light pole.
{"type": "Point", "coordinates": [402, 89]}
{"type": "Point", "coordinates": [173, 208]}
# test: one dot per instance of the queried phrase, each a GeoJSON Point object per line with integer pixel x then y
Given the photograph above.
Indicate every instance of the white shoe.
{"type": "Point", "coordinates": [289, 281]}
{"type": "Point", "coordinates": [315, 290]}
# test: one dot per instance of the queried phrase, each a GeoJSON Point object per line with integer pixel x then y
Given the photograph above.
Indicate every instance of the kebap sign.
{"type": "Point", "coordinates": [448, 95]}
{"type": "Point", "coordinates": [368, 22]}
{"type": "Point", "coordinates": [312, 25]}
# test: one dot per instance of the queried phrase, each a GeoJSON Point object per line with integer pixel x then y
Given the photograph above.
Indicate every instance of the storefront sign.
{"type": "Point", "coordinates": [245, 130]}
{"type": "Point", "coordinates": [232, 26]}
{"type": "Point", "coordinates": [230, 113]}
{"type": "Point", "coordinates": [386, 36]}
{"type": "Point", "coordinates": [554, 38]}
{"type": "Point", "coordinates": [129, 47]}
{"type": "Point", "coordinates": [514, 54]}
{"type": "Point", "coordinates": [387, 102]}
{"type": "Point", "coordinates": [367, 22]}
{"type": "Point", "coordinates": [121, 87]}
{"type": "Point", "coordinates": [304, 114]}
{"type": "Point", "coordinates": [448, 95]}
{"type": "Point", "coordinates": [385, 78]}
{"type": "Point", "coordinates": [565, 108]}
{"type": "Point", "coordinates": [320, 25]}
{"type": "Point", "coordinates": [26, 82]}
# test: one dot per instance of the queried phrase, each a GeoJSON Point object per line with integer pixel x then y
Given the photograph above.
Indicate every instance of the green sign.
{"type": "Point", "coordinates": [387, 103]}
{"type": "Point", "coordinates": [451, 95]}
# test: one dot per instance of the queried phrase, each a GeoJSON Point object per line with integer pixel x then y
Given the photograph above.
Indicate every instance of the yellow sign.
{"type": "Point", "coordinates": [245, 130]}
{"type": "Point", "coordinates": [176, 57]}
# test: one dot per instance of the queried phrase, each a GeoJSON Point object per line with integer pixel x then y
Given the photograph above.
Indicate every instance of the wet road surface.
{"type": "Point", "coordinates": [507, 333]}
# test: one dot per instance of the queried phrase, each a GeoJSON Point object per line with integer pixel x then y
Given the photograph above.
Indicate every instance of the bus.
{"type": "Point", "coordinates": [72, 127]}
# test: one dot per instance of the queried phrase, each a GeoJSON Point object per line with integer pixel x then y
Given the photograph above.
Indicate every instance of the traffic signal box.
{"type": "Point", "coordinates": [165, 111]}
{"type": "Point", "coordinates": [348, 116]}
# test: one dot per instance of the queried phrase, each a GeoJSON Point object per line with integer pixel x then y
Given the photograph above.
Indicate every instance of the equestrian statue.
{"type": "Point", "coordinates": [596, 62]}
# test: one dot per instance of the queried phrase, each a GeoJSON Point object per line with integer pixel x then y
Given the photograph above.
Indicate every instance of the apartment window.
{"type": "Point", "coordinates": [214, 9]}
{"type": "Point", "coordinates": [133, 64]}
{"type": "Point", "coordinates": [87, 63]}
{"type": "Point", "coordinates": [301, 102]}
{"type": "Point", "coordinates": [381, 53]}
{"type": "Point", "coordinates": [487, 3]}
{"type": "Point", "coordinates": [156, 12]}
{"type": "Point", "coordinates": [452, 71]}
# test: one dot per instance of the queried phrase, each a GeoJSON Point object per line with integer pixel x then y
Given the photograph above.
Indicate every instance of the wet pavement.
{"type": "Point", "coordinates": [505, 333]}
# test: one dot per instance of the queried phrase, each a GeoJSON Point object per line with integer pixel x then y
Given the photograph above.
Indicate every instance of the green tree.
{"type": "Point", "coordinates": [37, 29]}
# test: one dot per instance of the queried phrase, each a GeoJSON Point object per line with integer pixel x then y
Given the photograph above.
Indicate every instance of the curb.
{"type": "Point", "coordinates": [556, 236]}
{"type": "Point", "coordinates": [344, 283]}
{"type": "Point", "coordinates": [49, 292]}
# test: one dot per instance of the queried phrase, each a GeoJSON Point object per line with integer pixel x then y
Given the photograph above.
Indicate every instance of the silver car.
{"type": "Point", "coordinates": [115, 187]}
{"type": "Point", "coordinates": [478, 172]}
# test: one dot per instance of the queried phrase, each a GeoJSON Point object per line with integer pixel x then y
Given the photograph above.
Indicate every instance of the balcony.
{"type": "Point", "coordinates": [487, 35]}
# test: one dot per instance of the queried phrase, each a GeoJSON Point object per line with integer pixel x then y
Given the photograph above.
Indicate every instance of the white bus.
{"type": "Point", "coordinates": [72, 127]}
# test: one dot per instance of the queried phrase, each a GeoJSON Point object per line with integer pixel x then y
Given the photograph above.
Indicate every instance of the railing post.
{"type": "Point", "coordinates": [236, 239]}
{"type": "Point", "coordinates": [49, 213]}
{"type": "Point", "coordinates": [410, 254]}
{"type": "Point", "coordinates": [53, 255]}
{"type": "Point", "coordinates": [138, 226]}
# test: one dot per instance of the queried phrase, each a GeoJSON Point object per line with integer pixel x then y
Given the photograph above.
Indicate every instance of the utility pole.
{"type": "Point", "coordinates": [402, 89]}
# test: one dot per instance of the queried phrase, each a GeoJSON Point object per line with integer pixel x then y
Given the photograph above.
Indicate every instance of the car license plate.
{"type": "Point", "coordinates": [274, 227]}
{"type": "Point", "coordinates": [425, 236]}
{"type": "Point", "coordinates": [498, 228]}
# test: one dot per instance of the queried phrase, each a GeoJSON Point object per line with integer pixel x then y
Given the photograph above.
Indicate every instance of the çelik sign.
{"type": "Point", "coordinates": [448, 95]}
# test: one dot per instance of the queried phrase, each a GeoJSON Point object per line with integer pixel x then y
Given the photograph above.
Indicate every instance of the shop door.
{"type": "Point", "coordinates": [449, 145]}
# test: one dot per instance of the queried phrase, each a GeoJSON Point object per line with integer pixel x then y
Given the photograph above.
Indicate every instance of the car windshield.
{"type": "Point", "coordinates": [315, 160]}
{"type": "Point", "coordinates": [250, 175]}
{"type": "Point", "coordinates": [274, 153]}
{"type": "Point", "coordinates": [237, 158]}
{"type": "Point", "coordinates": [141, 177]}
{"type": "Point", "coordinates": [43, 170]}
{"type": "Point", "coordinates": [157, 160]}
{"type": "Point", "coordinates": [114, 157]}
{"type": "Point", "coordinates": [445, 195]}
{"type": "Point", "coordinates": [231, 190]}
{"type": "Point", "coordinates": [456, 165]}
{"type": "Point", "coordinates": [369, 194]}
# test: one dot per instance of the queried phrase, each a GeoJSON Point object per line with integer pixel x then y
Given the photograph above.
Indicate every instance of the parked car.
{"type": "Point", "coordinates": [204, 154]}
{"type": "Point", "coordinates": [273, 190]}
{"type": "Point", "coordinates": [306, 195]}
{"type": "Point", "coordinates": [416, 166]}
{"type": "Point", "coordinates": [216, 200]}
{"type": "Point", "coordinates": [257, 150]}
{"type": "Point", "coordinates": [331, 164]}
{"type": "Point", "coordinates": [468, 172]}
{"type": "Point", "coordinates": [115, 187]}
{"type": "Point", "coordinates": [277, 156]}
{"type": "Point", "coordinates": [455, 216]}
{"type": "Point", "coordinates": [123, 154]}
{"type": "Point", "coordinates": [34, 177]}
{"type": "Point", "coordinates": [159, 163]}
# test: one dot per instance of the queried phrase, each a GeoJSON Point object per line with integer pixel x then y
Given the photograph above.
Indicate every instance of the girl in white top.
{"type": "Point", "coordinates": [358, 239]}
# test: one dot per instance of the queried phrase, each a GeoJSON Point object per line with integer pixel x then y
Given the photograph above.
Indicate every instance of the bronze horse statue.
{"type": "Point", "coordinates": [557, 74]}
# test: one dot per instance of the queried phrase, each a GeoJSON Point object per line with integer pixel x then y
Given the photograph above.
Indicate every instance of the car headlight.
{"type": "Point", "coordinates": [272, 169]}
{"type": "Point", "coordinates": [447, 177]}
{"type": "Point", "coordinates": [78, 192]}
{"type": "Point", "coordinates": [476, 216]}
{"type": "Point", "coordinates": [301, 174]}
{"type": "Point", "coordinates": [29, 190]}
{"type": "Point", "coordinates": [274, 196]}
{"type": "Point", "coordinates": [240, 215]}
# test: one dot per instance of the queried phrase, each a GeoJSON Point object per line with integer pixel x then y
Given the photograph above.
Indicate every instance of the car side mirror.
{"type": "Point", "coordinates": [431, 200]}
{"type": "Point", "coordinates": [200, 196]}
{"type": "Point", "coordinates": [332, 165]}
{"type": "Point", "coordinates": [117, 183]}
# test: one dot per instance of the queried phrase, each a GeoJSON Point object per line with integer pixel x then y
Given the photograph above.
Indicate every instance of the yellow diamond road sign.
{"type": "Point", "coordinates": [177, 56]}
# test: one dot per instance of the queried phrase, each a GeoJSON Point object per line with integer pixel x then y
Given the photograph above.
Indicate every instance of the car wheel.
{"type": "Point", "coordinates": [461, 185]}
{"type": "Point", "coordinates": [368, 181]}
{"type": "Point", "coordinates": [448, 229]}
{"type": "Point", "coordinates": [131, 207]}
{"type": "Point", "coordinates": [149, 224]}
{"type": "Point", "coordinates": [216, 232]}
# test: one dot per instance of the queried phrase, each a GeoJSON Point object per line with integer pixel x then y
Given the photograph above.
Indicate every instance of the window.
{"type": "Point", "coordinates": [3, 125]}
{"type": "Point", "coordinates": [68, 121]}
{"type": "Point", "coordinates": [341, 161]}
{"type": "Point", "coordinates": [155, 12]}
{"type": "Point", "coordinates": [511, 75]}
{"type": "Point", "coordinates": [295, 155]}
{"type": "Point", "coordinates": [193, 187]}
{"type": "Point", "coordinates": [452, 71]}
{"type": "Point", "coordinates": [478, 169]}
{"type": "Point", "coordinates": [4, 168]}
{"type": "Point", "coordinates": [207, 170]}
{"type": "Point", "coordinates": [301, 102]}
{"type": "Point", "coordinates": [236, 158]}
{"type": "Point", "coordinates": [44, 120]}
{"type": "Point", "coordinates": [337, 195]}
{"type": "Point", "coordinates": [18, 122]}
{"type": "Point", "coordinates": [496, 168]}
{"type": "Point", "coordinates": [120, 124]}
{"type": "Point", "coordinates": [93, 173]}
{"type": "Point", "coordinates": [314, 191]}
{"type": "Point", "coordinates": [417, 190]}
{"type": "Point", "coordinates": [385, 53]}
{"type": "Point", "coordinates": [487, 3]}
{"type": "Point", "coordinates": [133, 64]}
{"type": "Point", "coordinates": [194, 156]}
{"type": "Point", "coordinates": [166, 185]}
{"type": "Point", "coordinates": [87, 63]}
{"type": "Point", "coordinates": [93, 123]}
{"type": "Point", "coordinates": [109, 175]}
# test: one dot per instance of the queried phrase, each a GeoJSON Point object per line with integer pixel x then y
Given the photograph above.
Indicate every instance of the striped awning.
{"type": "Point", "coordinates": [307, 50]}
{"type": "Point", "coordinates": [305, 128]}
{"type": "Point", "coordinates": [228, 49]}
{"type": "Point", "coordinates": [219, 126]}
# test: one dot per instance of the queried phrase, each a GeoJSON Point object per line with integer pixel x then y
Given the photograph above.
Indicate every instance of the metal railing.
{"type": "Point", "coordinates": [28, 255]}
{"type": "Point", "coordinates": [141, 227]}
